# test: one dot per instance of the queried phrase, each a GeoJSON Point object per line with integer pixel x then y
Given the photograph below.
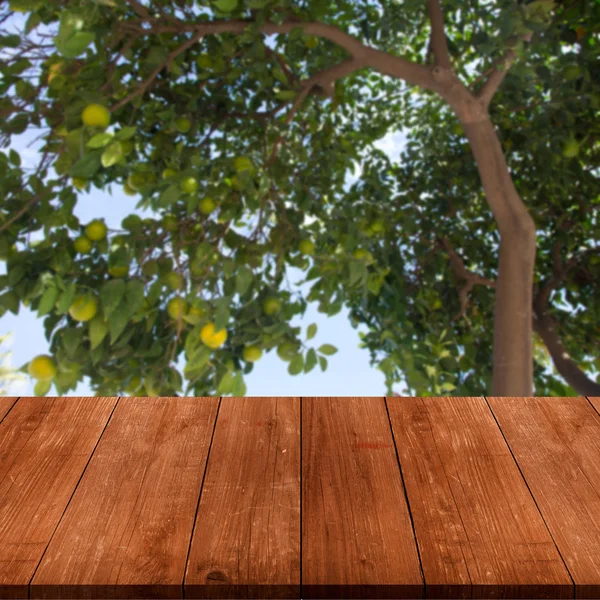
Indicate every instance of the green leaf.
{"type": "Point", "coordinates": [134, 296]}
{"type": "Point", "coordinates": [285, 95]}
{"type": "Point", "coordinates": [87, 165]}
{"type": "Point", "coordinates": [243, 279]}
{"type": "Point", "coordinates": [226, 384]}
{"type": "Point", "coordinates": [73, 46]}
{"type": "Point", "coordinates": [111, 295]}
{"type": "Point", "coordinates": [322, 363]}
{"type": "Point", "coordinates": [48, 300]}
{"type": "Point", "coordinates": [448, 387]}
{"type": "Point", "coordinates": [14, 157]}
{"type": "Point", "coordinates": [430, 370]}
{"type": "Point", "coordinates": [169, 196]}
{"type": "Point", "coordinates": [112, 154]}
{"type": "Point", "coordinates": [99, 140]}
{"type": "Point", "coordinates": [117, 322]}
{"type": "Point", "coordinates": [10, 301]}
{"type": "Point", "coordinates": [71, 338]}
{"type": "Point", "coordinates": [10, 41]}
{"type": "Point", "coordinates": [311, 360]}
{"type": "Point", "coordinates": [126, 132]}
{"type": "Point", "coordinates": [41, 388]}
{"type": "Point", "coordinates": [296, 365]}
{"type": "Point", "coordinates": [327, 349]}
{"type": "Point", "coordinates": [239, 387]}
{"type": "Point", "coordinates": [225, 6]}
{"type": "Point", "coordinates": [311, 331]}
{"type": "Point", "coordinates": [98, 331]}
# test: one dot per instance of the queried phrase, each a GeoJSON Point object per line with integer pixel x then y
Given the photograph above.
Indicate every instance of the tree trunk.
{"type": "Point", "coordinates": [513, 313]}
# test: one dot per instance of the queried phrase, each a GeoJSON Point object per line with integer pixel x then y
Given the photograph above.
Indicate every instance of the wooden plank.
{"type": "Point", "coordinates": [357, 537]}
{"type": "Point", "coordinates": [126, 531]}
{"type": "Point", "coordinates": [479, 532]}
{"type": "Point", "coordinates": [595, 401]}
{"type": "Point", "coordinates": [6, 403]}
{"type": "Point", "coordinates": [45, 444]}
{"type": "Point", "coordinates": [246, 540]}
{"type": "Point", "coordinates": [556, 442]}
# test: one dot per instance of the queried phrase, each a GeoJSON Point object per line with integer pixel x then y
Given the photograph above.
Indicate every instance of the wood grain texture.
{"type": "Point", "coordinates": [6, 403]}
{"type": "Point", "coordinates": [45, 444]}
{"type": "Point", "coordinates": [357, 537]}
{"type": "Point", "coordinates": [556, 443]}
{"type": "Point", "coordinates": [126, 531]}
{"type": "Point", "coordinates": [246, 540]}
{"type": "Point", "coordinates": [595, 401]}
{"type": "Point", "coordinates": [479, 532]}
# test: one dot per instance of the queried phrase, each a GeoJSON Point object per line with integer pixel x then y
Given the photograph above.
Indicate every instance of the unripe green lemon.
{"type": "Point", "coordinates": [83, 308]}
{"type": "Point", "coordinates": [311, 42]}
{"type": "Point", "coordinates": [42, 368]}
{"type": "Point", "coordinates": [136, 181]}
{"type": "Point", "coordinates": [251, 353]}
{"type": "Point", "coordinates": [243, 163]}
{"type": "Point", "coordinates": [174, 280]}
{"type": "Point", "coordinates": [570, 149]}
{"type": "Point", "coordinates": [170, 223]}
{"type": "Point", "coordinates": [361, 253]}
{"type": "Point", "coordinates": [377, 226]}
{"type": "Point", "coordinates": [96, 115]}
{"type": "Point", "coordinates": [128, 190]}
{"type": "Point", "coordinates": [204, 61]}
{"type": "Point", "coordinates": [183, 124]}
{"type": "Point", "coordinates": [189, 185]}
{"type": "Point", "coordinates": [169, 173]}
{"type": "Point", "coordinates": [96, 230]}
{"type": "Point", "coordinates": [207, 205]}
{"type": "Point", "coordinates": [197, 312]}
{"type": "Point", "coordinates": [271, 306]}
{"type": "Point", "coordinates": [212, 339]}
{"type": "Point", "coordinates": [150, 268]}
{"type": "Point", "coordinates": [134, 383]}
{"type": "Point", "coordinates": [118, 271]}
{"type": "Point", "coordinates": [306, 247]}
{"type": "Point", "coordinates": [79, 182]}
{"type": "Point", "coordinates": [286, 351]}
{"type": "Point", "coordinates": [176, 308]}
{"type": "Point", "coordinates": [571, 72]}
{"type": "Point", "coordinates": [131, 223]}
{"type": "Point", "coordinates": [83, 244]}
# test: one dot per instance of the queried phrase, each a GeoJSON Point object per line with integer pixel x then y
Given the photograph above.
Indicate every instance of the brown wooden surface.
{"type": "Point", "coordinates": [45, 444]}
{"type": "Point", "coordinates": [556, 443]}
{"type": "Point", "coordinates": [127, 529]}
{"type": "Point", "coordinates": [357, 537]}
{"type": "Point", "coordinates": [477, 526]}
{"type": "Point", "coordinates": [277, 497]}
{"type": "Point", "coordinates": [6, 403]}
{"type": "Point", "coordinates": [246, 541]}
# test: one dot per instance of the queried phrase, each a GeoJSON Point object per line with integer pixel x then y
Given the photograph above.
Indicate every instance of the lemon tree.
{"type": "Point", "coordinates": [198, 117]}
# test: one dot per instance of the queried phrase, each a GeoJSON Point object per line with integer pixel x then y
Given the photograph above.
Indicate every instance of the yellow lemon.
{"type": "Point", "coordinates": [167, 173]}
{"type": "Point", "coordinates": [306, 247]}
{"type": "Point", "coordinates": [211, 338]}
{"type": "Point", "coordinates": [83, 244]}
{"type": "Point", "coordinates": [42, 368]}
{"type": "Point", "coordinates": [176, 308]}
{"type": "Point", "coordinates": [96, 230]}
{"type": "Point", "coordinates": [96, 115]}
{"type": "Point", "coordinates": [251, 353]}
{"type": "Point", "coordinates": [189, 185]}
{"type": "Point", "coordinates": [207, 205]}
{"type": "Point", "coordinates": [271, 306]}
{"type": "Point", "coordinates": [79, 183]}
{"type": "Point", "coordinates": [84, 308]}
{"type": "Point", "coordinates": [117, 271]}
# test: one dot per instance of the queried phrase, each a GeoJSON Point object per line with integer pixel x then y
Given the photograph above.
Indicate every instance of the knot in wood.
{"type": "Point", "coordinates": [216, 577]}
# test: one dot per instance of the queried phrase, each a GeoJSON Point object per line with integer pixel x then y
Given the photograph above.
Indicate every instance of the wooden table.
{"type": "Point", "coordinates": [299, 497]}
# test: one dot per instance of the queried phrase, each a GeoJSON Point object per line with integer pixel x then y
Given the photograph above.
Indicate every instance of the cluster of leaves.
{"type": "Point", "coordinates": [374, 248]}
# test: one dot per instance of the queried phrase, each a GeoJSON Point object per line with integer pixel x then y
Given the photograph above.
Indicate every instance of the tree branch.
{"type": "Point", "coordinates": [438, 42]}
{"type": "Point", "coordinates": [499, 70]}
{"type": "Point", "coordinates": [470, 279]}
